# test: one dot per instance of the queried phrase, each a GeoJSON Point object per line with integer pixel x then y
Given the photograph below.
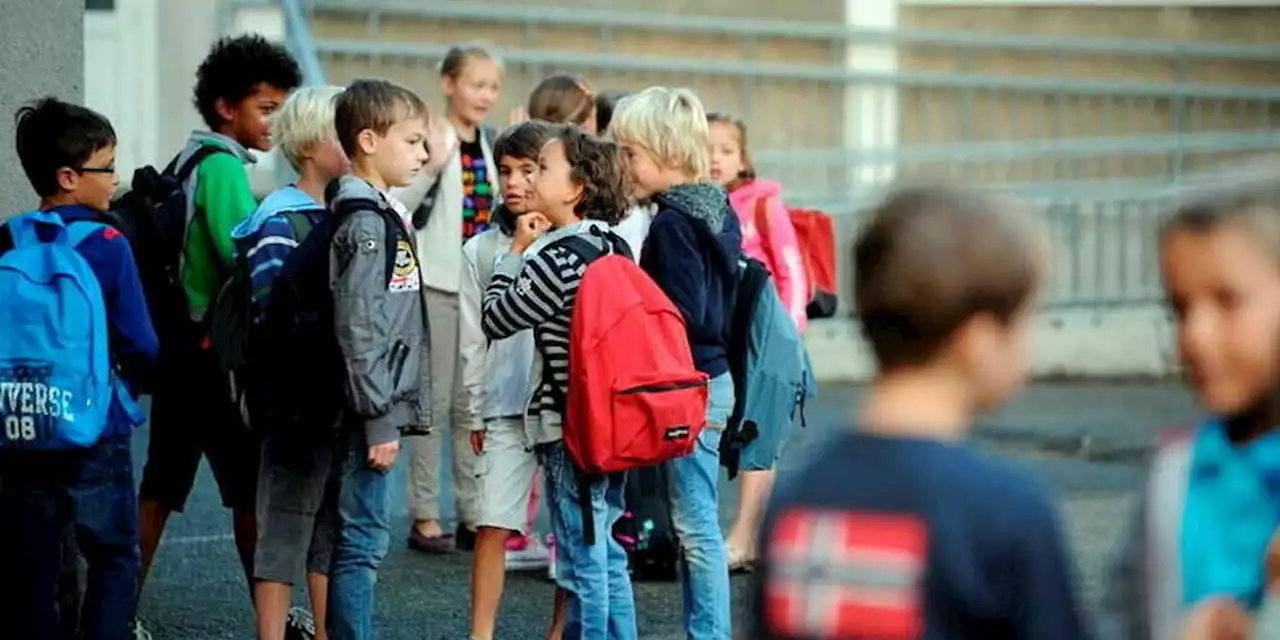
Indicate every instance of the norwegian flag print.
{"type": "Point", "coordinates": [840, 574]}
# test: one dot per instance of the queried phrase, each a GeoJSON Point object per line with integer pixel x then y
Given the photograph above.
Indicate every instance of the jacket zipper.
{"type": "Point", "coordinates": [663, 387]}
{"type": "Point", "coordinates": [399, 355]}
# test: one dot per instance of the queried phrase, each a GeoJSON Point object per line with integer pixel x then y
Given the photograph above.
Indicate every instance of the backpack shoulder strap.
{"type": "Point", "coordinates": [78, 230]}
{"type": "Point", "coordinates": [422, 215]}
{"type": "Point", "coordinates": [185, 170]}
{"type": "Point", "coordinates": [580, 247]}
{"type": "Point", "coordinates": [300, 223]}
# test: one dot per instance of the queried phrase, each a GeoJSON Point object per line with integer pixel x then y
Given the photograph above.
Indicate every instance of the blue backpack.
{"type": "Point", "coordinates": [56, 379]}
{"type": "Point", "coordinates": [772, 376]}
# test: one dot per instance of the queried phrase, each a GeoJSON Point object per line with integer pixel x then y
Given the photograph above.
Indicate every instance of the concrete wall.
{"type": "Point", "coordinates": [41, 53]}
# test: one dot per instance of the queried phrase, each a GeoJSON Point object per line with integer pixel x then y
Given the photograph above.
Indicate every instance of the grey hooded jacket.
{"type": "Point", "coordinates": [378, 314]}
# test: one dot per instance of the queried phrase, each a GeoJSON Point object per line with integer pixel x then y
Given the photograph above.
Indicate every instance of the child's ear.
{"type": "Point", "coordinates": [225, 110]}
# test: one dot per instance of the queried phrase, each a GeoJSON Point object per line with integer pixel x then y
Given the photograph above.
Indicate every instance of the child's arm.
{"type": "Point", "coordinates": [359, 292]}
{"type": "Point", "coordinates": [471, 340]}
{"type": "Point", "coordinates": [223, 193]}
{"type": "Point", "coordinates": [675, 263]}
{"type": "Point", "coordinates": [266, 258]}
{"type": "Point", "coordinates": [133, 338]}
{"type": "Point", "coordinates": [788, 264]}
{"type": "Point", "coordinates": [1045, 606]}
{"type": "Point", "coordinates": [523, 294]}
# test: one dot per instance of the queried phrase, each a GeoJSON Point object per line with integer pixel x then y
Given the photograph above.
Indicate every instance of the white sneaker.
{"type": "Point", "coordinates": [139, 632]}
{"type": "Point", "coordinates": [532, 557]}
{"type": "Point", "coordinates": [551, 558]}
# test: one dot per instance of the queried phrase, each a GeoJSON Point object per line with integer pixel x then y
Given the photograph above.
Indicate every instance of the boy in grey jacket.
{"type": "Point", "coordinates": [381, 329]}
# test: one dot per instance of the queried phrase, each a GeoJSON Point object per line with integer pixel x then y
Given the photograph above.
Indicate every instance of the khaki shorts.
{"type": "Point", "coordinates": [504, 476]}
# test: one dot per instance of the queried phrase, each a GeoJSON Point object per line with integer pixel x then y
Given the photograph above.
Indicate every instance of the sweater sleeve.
{"type": "Point", "coordinates": [672, 257]}
{"type": "Point", "coordinates": [133, 339]}
{"type": "Point", "coordinates": [787, 263]}
{"type": "Point", "coordinates": [223, 193]}
{"type": "Point", "coordinates": [1045, 603]}
{"type": "Point", "coordinates": [523, 294]}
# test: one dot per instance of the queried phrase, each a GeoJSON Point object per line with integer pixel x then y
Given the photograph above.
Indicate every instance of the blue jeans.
{"type": "Point", "coordinates": [364, 513]}
{"type": "Point", "coordinates": [695, 512]}
{"type": "Point", "coordinates": [41, 492]}
{"type": "Point", "coordinates": [601, 605]}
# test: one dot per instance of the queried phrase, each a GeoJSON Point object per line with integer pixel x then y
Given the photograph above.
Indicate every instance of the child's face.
{"type": "Point", "coordinates": [248, 121]}
{"type": "Point", "coordinates": [726, 153]}
{"type": "Point", "coordinates": [1224, 291]}
{"type": "Point", "coordinates": [329, 159]}
{"type": "Point", "coordinates": [645, 176]}
{"type": "Point", "coordinates": [473, 93]}
{"type": "Point", "coordinates": [399, 155]}
{"type": "Point", "coordinates": [94, 182]}
{"type": "Point", "coordinates": [553, 192]}
{"type": "Point", "coordinates": [517, 175]}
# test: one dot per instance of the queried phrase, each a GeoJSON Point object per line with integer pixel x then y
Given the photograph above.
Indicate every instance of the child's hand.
{"type": "Point", "coordinates": [477, 442]}
{"type": "Point", "coordinates": [529, 227]}
{"type": "Point", "coordinates": [437, 133]}
{"type": "Point", "coordinates": [382, 456]}
{"type": "Point", "coordinates": [1273, 565]}
{"type": "Point", "coordinates": [1218, 618]}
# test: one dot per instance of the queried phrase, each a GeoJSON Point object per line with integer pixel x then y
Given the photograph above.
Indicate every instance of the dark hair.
{"type": "Point", "coordinates": [595, 165]}
{"type": "Point", "coordinates": [51, 134]}
{"type": "Point", "coordinates": [748, 171]}
{"type": "Point", "coordinates": [375, 104]}
{"type": "Point", "coordinates": [1254, 202]}
{"type": "Point", "coordinates": [562, 98]}
{"type": "Point", "coordinates": [456, 59]}
{"type": "Point", "coordinates": [524, 140]}
{"type": "Point", "coordinates": [605, 104]}
{"type": "Point", "coordinates": [235, 67]}
{"type": "Point", "coordinates": [930, 260]}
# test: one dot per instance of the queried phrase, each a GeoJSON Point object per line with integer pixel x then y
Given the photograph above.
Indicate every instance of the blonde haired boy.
{"type": "Point", "coordinates": [692, 253]}
{"type": "Point", "coordinates": [295, 535]}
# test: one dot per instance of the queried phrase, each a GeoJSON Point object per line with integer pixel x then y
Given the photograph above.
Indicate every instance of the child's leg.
{"type": "Point", "coordinates": [364, 513]}
{"type": "Point", "coordinates": [753, 493]}
{"type": "Point", "coordinates": [582, 569]}
{"type": "Point", "coordinates": [622, 603]}
{"type": "Point", "coordinates": [105, 508]}
{"type": "Point", "coordinates": [695, 515]}
{"type": "Point", "coordinates": [318, 594]}
{"type": "Point", "coordinates": [534, 494]}
{"type": "Point", "coordinates": [31, 527]}
{"type": "Point", "coordinates": [504, 471]}
{"type": "Point", "coordinates": [173, 458]}
{"type": "Point", "coordinates": [291, 484]}
{"type": "Point", "coordinates": [556, 629]}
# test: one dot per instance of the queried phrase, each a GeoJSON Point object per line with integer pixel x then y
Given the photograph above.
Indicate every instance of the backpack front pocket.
{"type": "Point", "coordinates": [657, 416]}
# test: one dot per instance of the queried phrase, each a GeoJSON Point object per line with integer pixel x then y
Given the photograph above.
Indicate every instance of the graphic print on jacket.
{"type": "Point", "coordinates": [381, 328]}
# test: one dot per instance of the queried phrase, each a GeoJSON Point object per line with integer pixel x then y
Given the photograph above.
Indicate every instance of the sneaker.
{"type": "Point", "coordinates": [139, 632]}
{"type": "Point", "coordinates": [530, 556]}
{"type": "Point", "coordinates": [300, 626]}
{"type": "Point", "coordinates": [551, 558]}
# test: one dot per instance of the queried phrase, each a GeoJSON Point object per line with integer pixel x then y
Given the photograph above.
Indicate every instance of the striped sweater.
{"type": "Point", "coordinates": [539, 294]}
{"type": "Point", "coordinates": [266, 238]}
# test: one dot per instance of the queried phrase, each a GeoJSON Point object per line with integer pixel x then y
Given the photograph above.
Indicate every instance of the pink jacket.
{"type": "Point", "coordinates": [780, 251]}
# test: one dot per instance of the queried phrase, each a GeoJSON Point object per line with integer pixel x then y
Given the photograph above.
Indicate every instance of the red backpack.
{"type": "Point", "coordinates": [815, 234]}
{"type": "Point", "coordinates": [634, 397]}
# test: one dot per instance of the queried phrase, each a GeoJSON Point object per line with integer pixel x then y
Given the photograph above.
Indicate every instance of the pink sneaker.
{"type": "Point", "coordinates": [531, 556]}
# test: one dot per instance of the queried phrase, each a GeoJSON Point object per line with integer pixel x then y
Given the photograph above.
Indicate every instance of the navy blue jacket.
{"type": "Point", "coordinates": [133, 341]}
{"type": "Point", "coordinates": [692, 253]}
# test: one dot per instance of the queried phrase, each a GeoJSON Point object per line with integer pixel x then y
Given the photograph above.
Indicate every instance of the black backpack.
{"type": "Point", "coordinates": [153, 215]}
{"type": "Point", "coordinates": [645, 529]}
{"type": "Point", "coordinates": [298, 382]}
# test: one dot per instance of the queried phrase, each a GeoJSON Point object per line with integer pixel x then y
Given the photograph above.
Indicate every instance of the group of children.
{"type": "Point", "coordinates": [419, 271]}
{"type": "Point", "coordinates": [426, 269]}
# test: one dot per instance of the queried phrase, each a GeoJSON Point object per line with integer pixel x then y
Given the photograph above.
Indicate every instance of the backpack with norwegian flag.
{"type": "Point", "coordinates": [634, 397]}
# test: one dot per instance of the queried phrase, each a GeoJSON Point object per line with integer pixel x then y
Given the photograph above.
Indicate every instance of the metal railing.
{"type": "Point", "coordinates": [1098, 131]}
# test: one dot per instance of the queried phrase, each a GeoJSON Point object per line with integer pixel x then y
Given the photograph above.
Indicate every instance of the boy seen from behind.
{"type": "Point", "coordinates": [691, 252]}
{"type": "Point", "coordinates": [241, 82]}
{"type": "Point", "coordinates": [381, 328]}
{"type": "Point", "coordinates": [897, 516]}
{"type": "Point", "coordinates": [295, 538]}
{"type": "Point", "coordinates": [68, 153]}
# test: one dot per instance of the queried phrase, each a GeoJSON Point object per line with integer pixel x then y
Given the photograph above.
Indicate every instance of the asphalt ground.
{"type": "Point", "coordinates": [1085, 440]}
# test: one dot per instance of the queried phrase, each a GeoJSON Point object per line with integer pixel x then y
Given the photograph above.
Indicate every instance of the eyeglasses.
{"type": "Point", "coordinates": [111, 168]}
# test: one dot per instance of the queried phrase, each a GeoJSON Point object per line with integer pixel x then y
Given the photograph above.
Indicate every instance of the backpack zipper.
{"type": "Point", "coordinates": [665, 386]}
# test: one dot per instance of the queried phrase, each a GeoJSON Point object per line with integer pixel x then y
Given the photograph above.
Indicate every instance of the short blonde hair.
{"type": "Point", "coordinates": [306, 119]}
{"type": "Point", "coordinates": [671, 124]}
